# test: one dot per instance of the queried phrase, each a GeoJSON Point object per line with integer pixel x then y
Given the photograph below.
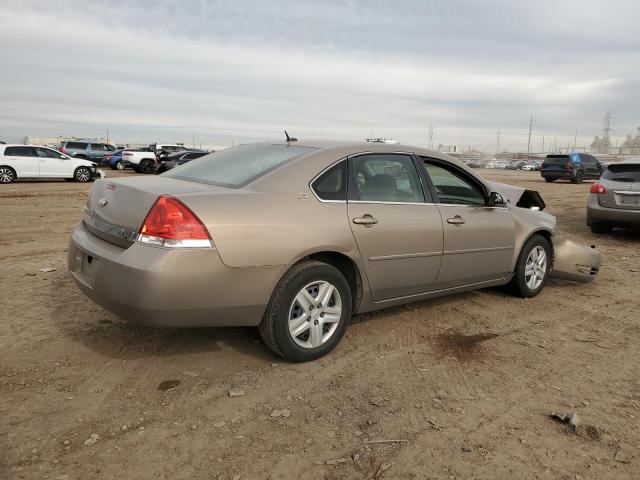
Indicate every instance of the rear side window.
{"type": "Point", "coordinates": [77, 145]}
{"type": "Point", "coordinates": [237, 166]}
{"type": "Point", "coordinates": [556, 159]}
{"type": "Point", "coordinates": [622, 172]}
{"type": "Point", "coordinates": [387, 178]}
{"type": "Point", "coordinates": [20, 152]}
{"type": "Point", "coordinates": [332, 184]}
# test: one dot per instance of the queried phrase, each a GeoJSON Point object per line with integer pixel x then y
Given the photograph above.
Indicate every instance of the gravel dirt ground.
{"type": "Point", "coordinates": [456, 388]}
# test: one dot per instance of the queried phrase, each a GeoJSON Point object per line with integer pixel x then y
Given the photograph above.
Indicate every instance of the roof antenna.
{"type": "Point", "coordinates": [290, 139]}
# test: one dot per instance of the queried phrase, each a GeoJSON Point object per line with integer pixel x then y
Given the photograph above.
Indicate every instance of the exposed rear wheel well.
{"type": "Point", "coordinates": [347, 267]}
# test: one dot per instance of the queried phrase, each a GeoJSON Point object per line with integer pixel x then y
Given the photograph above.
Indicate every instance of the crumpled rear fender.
{"type": "Point", "coordinates": [574, 262]}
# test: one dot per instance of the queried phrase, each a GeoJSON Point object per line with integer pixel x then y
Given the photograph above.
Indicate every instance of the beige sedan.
{"type": "Point", "coordinates": [296, 237]}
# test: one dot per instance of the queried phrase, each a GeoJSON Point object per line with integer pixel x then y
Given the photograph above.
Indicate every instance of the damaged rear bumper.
{"type": "Point", "coordinates": [575, 262]}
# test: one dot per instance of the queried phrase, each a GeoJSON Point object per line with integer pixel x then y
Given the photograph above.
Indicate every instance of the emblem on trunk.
{"type": "Point", "coordinates": [102, 202]}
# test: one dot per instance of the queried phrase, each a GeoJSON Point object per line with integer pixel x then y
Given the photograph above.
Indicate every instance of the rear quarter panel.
{"type": "Point", "coordinates": [253, 229]}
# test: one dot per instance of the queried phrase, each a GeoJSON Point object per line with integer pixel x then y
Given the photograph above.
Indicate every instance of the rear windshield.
{"type": "Point", "coordinates": [77, 145]}
{"type": "Point", "coordinates": [622, 173]}
{"type": "Point", "coordinates": [556, 159]}
{"type": "Point", "coordinates": [237, 166]}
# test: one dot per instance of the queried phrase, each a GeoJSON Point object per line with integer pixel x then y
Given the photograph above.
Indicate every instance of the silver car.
{"type": "Point", "coordinates": [614, 200]}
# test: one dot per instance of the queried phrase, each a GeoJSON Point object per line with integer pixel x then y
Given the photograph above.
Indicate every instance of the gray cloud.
{"type": "Point", "coordinates": [246, 70]}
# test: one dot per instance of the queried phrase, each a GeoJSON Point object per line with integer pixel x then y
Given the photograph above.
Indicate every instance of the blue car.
{"type": "Point", "coordinates": [114, 160]}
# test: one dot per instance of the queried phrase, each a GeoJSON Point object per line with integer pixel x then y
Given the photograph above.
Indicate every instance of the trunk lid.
{"type": "Point", "coordinates": [622, 182]}
{"type": "Point", "coordinates": [116, 208]}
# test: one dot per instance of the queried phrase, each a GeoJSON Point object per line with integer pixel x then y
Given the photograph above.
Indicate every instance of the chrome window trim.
{"type": "Point", "coordinates": [505, 206]}
{"type": "Point", "coordinates": [322, 173]}
{"type": "Point", "coordinates": [375, 202]}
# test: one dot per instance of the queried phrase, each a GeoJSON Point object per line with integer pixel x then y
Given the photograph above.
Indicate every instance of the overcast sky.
{"type": "Point", "coordinates": [246, 70]}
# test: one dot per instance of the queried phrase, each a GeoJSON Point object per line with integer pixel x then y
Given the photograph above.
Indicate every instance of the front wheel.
{"type": "Point", "coordinates": [532, 268]}
{"type": "Point", "coordinates": [82, 174]}
{"type": "Point", "coordinates": [308, 312]}
{"type": "Point", "coordinates": [119, 166]}
{"type": "Point", "coordinates": [578, 178]}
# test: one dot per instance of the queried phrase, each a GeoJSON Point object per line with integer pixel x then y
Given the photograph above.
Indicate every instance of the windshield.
{"type": "Point", "coordinates": [237, 166]}
{"type": "Point", "coordinates": [622, 173]}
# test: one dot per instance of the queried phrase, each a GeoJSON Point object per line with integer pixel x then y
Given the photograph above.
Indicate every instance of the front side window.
{"type": "Point", "coordinates": [387, 178]}
{"type": "Point", "coordinates": [332, 184]}
{"type": "Point", "coordinates": [47, 153]}
{"type": "Point", "coordinates": [238, 166]}
{"type": "Point", "coordinates": [452, 187]}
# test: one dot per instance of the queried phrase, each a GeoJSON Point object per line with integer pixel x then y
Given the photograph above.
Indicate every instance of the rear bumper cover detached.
{"type": "Point", "coordinates": [574, 262]}
{"type": "Point", "coordinates": [164, 287]}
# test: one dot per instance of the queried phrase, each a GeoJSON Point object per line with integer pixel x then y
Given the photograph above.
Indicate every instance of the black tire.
{"type": "Point", "coordinates": [518, 285]}
{"type": "Point", "coordinates": [136, 168]}
{"type": "Point", "coordinates": [82, 174]}
{"type": "Point", "coordinates": [579, 178]}
{"type": "Point", "coordinates": [147, 166]}
{"type": "Point", "coordinates": [7, 174]}
{"type": "Point", "coordinates": [274, 328]}
{"type": "Point", "coordinates": [600, 228]}
{"type": "Point", "coordinates": [549, 180]}
{"type": "Point", "coordinates": [120, 165]}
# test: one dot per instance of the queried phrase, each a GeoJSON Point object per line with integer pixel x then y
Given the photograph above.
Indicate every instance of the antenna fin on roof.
{"type": "Point", "coordinates": [290, 139]}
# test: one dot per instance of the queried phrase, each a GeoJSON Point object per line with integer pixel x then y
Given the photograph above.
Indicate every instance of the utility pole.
{"type": "Point", "coordinates": [529, 142]}
{"type": "Point", "coordinates": [575, 139]}
{"type": "Point", "coordinates": [542, 143]}
{"type": "Point", "coordinates": [107, 135]}
{"type": "Point", "coordinates": [498, 142]}
{"type": "Point", "coordinates": [193, 140]}
{"type": "Point", "coordinates": [430, 144]}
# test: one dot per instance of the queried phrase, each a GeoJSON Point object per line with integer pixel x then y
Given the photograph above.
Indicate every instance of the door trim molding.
{"type": "Point", "coordinates": [404, 255]}
{"type": "Point", "coordinates": [476, 250]}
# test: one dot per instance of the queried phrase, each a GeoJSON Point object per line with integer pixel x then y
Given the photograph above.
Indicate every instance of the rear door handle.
{"type": "Point", "coordinates": [366, 219]}
{"type": "Point", "coordinates": [457, 220]}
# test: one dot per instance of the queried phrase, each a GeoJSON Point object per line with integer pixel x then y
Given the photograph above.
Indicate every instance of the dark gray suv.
{"type": "Point", "coordinates": [91, 150]}
{"type": "Point", "coordinates": [574, 167]}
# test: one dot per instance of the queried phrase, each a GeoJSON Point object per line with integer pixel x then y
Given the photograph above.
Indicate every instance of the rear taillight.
{"type": "Point", "coordinates": [170, 223]}
{"type": "Point", "coordinates": [598, 188]}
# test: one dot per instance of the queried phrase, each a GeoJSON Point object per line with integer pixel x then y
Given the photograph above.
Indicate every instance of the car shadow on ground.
{"type": "Point", "coordinates": [79, 319]}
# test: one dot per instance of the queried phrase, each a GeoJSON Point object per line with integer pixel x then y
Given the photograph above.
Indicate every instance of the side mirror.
{"type": "Point", "coordinates": [495, 199]}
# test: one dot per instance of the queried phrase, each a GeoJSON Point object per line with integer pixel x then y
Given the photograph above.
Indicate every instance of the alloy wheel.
{"type": "Point", "coordinates": [535, 268]}
{"type": "Point", "coordinates": [120, 166]}
{"type": "Point", "coordinates": [6, 175]}
{"type": "Point", "coordinates": [314, 314]}
{"type": "Point", "coordinates": [83, 175]}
